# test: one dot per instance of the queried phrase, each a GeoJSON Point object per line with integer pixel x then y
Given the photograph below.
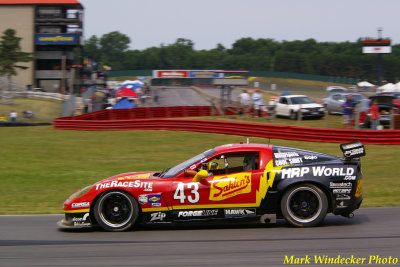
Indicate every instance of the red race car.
{"type": "Point", "coordinates": [230, 182]}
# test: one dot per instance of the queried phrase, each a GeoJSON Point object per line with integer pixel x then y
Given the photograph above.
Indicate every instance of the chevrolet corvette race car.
{"type": "Point", "coordinates": [230, 182]}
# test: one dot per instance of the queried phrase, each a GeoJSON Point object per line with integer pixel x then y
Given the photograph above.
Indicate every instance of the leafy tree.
{"type": "Point", "coordinates": [113, 45]}
{"type": "Point", "coordinates": [91, 49]}
{"type": "Point", "coordinates": [343, 59]}
{"type": "Point", "coordinates": [11, 55]}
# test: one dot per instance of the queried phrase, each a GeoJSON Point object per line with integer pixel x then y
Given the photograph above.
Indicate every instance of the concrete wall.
{"type": "Point", "coordinates": [21, 19]}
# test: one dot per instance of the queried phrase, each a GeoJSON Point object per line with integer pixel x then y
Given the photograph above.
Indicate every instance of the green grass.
{"type": "Point", "coordinates": [333, 121]}
{"type": "Point", "coordinates": [40, 167]}
{"type": "Point", "coordinates": [44, 110]}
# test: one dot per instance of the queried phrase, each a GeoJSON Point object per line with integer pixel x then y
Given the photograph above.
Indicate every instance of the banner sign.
{"type": "Point", "coordinates": [170, 74]}
{"type": "Point", "coordinates": [56, 39]}
{"type": "Point", "coordinates": [377, 46]}
{"type": "Point", "coordinates": [377, 49]}
{"type": "Point", "coordinates": [186, 74]}
{"type": "Point", "coordinates": [204, 74]}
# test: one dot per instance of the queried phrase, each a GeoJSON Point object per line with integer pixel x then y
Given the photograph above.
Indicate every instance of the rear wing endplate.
{"type": "Point", "coordinates": [352, 150]}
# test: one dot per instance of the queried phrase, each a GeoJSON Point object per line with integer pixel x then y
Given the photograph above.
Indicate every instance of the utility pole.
{"type": "Point", "coordinates": [379, 70]}
{"type": "Point", "coordinates": [63, 73]}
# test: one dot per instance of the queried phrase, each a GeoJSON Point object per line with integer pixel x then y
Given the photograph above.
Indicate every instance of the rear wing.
{"type": "Point", "coordinates": [352, 150]}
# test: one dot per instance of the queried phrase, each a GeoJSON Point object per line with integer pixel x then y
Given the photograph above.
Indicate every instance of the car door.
{"type": "Point", "coordinates": [232, 182]}
{"type": "Point", "coordinates": [282, 107]}
{"type": "Point", "coordinates": [337, 103]}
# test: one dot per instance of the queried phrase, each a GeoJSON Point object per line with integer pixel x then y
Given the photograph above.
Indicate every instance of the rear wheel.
{"type": "Point", "coordinates": [116, 211]}
{"type": "Point", "coordinates": [304, 205]}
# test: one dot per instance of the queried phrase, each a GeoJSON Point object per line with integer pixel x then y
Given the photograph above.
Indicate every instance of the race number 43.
{"type": "Point", "coordinates": [193, 195]}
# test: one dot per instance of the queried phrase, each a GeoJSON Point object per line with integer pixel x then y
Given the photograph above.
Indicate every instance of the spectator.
{"type": "Point", "coordinates": [374, 112]}
{"type": "Point", "coordinates": [245, 102]}
{"type": "Point", "coordinates": [13, 115]}
{"type": "Point", "coordinates": [348, 112]}
{"type": "Point", "coordinates": [28, 114]}
{"type": "Point", "coordinates": [257, 103]}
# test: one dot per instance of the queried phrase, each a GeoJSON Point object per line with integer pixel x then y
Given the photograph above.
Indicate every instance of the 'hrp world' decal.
{"type": "Point", "coordinates": [316, 171]}
{"type": "Point", "coordinates": [227, 186]}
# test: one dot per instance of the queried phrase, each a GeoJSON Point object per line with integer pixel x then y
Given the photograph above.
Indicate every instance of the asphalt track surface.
{"type": "Point", "coordinates": [184, 96]}
{"type": "Point", "coordinates": [37, 241]}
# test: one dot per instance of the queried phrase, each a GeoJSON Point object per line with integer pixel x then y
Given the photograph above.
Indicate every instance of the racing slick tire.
{"type": "Point", "coordinates": [116, 211]}
{"type": "Point", "coordinates": [304, 205]}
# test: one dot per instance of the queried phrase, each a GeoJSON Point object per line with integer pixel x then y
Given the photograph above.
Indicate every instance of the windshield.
{"type": "Point", "coordinates": [172, 172]}
{"type": "Point", "coordinates": [301, 100]}
{"type": "Point", "coordinates": [357, 98]}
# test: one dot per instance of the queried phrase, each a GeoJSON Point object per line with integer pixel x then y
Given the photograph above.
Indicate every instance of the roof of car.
{"type": "Point", "coordinates": [291, 96]}
{"type": "Point", "coordinates": [242, 146]}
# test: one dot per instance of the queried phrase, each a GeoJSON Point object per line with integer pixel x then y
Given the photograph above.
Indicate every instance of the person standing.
{"type": "Point", "coordinates": [374, 112]}
{"type": "Point", "coordinates": [257, 103]}
{"type": "Point", "coordinates": [13, 115]}
{"type": "Point", "coordinates": [348, 112]}
{"type": "Point", "coordinates": [245, 102]}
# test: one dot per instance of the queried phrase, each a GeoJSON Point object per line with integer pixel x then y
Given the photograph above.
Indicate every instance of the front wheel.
{"type": "Point", "coordinates": [116, 211]}
{"type": "Point", "coordinates": [304, 205]}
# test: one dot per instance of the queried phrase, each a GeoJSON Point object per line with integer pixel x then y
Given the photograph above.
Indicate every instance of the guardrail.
{"type": "Point", "coordinates": [156, 119]}
{"type": "Point", "coordinates": [32, 94]}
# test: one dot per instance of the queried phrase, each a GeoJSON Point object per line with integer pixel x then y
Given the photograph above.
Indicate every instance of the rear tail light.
{"type": "Point", "coordinates": [358, 189]}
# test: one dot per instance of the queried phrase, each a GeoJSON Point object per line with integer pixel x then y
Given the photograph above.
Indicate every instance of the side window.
{"type": "Point", "coordinates": [283, 100]}
{"type": "Point", "coordinates": [232, 163]}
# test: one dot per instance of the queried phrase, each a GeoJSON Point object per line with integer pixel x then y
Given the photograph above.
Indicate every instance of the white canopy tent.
{"type": "Point", "coordinates": [365, 84]}
{"type": "Point", "coordinates": [389, 87]}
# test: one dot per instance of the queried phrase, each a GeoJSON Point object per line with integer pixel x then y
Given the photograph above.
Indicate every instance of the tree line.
{"type": "Point", "coordinates": [344, 59]}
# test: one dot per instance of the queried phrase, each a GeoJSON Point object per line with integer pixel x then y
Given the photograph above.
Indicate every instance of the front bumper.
{"type": "Point", "coordinates": [312, 113]}
{"type": "Point", "coordinates": [76, 220]}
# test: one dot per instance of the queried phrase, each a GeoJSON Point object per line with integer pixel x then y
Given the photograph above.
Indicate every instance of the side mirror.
{"type": "Point", "coordinates": [189, 173]}
{"type": "Point", "coordinates": [200, 176]}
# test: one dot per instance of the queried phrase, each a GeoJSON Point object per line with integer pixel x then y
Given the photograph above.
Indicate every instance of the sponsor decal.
{"type": "Point", "coordinates": [316, 171]}
{"type": "Point", "coordinates": [295, 160]}
{"type": "Point", "coordinates": [80, 205]}
{"type": "Point", "coordinates": [350, 178]}
{"type": "Point", "coordinates": [203, 74]}
{"type": "Point", "coordinates": [146, 186]}
{"type": "Point", "coordinates": [341, 191]}
{"type": "Point", "coordinates": [341, 204]}
{"type": "Point", "coordinates": [342, 197]}
{"type": "Point", "coordinates": [170, 73]}
{"type": "Point", "coordinates": [310, 157]}
{"type": "Point", "coordinates": [81, 221]}
{"type": "Point", "coordinates": [56, 39]}
{"type": "Point", "coordinates": [353, 150]}
{"type": "Point", "coordinates": [229, 213]}
{"type": "Point", "coordinates": [158, 216]}
{"type": "Point", "coordinates": [155, 200]}
{"type": "Point", "coordinates": [280, 155]}
{"type": "Point", "coordinates": [282, 162]}
{"type": "Point", "coordinates": [197, 213]}
{"type": "Point", "coordinates": [224, 187]}
{"type": "Point", "coordinates": [143, 199]}
{"type": "Point", "coordinates": [341, 185]}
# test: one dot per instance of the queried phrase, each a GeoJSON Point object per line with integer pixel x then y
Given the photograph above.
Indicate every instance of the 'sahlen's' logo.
{"type": "Point", "coordinates": [223, 187]}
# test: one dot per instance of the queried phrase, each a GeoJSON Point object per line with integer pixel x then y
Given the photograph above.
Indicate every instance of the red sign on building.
{"type": "Point", "coordinates": [171, 74]}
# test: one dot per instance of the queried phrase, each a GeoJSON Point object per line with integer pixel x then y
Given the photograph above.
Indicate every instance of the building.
{"type": "Point", "coordinates": [53, 31]}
